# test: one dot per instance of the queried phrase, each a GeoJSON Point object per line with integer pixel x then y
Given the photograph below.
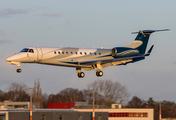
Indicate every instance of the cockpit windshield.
{"type": "Point", "coordinates": [31, 50]}
{"type": "Point", "coordinates": [27, 50]}
{"type": "Point", "coordinates": [24, 50]}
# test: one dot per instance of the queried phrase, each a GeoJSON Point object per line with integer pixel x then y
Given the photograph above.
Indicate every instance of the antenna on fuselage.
{"type": "Point", "coordinates": [60, 46]}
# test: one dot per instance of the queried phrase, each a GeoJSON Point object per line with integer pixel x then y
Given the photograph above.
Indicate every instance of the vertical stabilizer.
{"type": "Point", "coordinates": [141, 40]}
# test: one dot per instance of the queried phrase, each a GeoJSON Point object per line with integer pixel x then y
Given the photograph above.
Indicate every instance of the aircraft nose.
{"type": "Point", "coordinates": [9, 59]}
{"type": "Point", "coordinates": [12, 58]}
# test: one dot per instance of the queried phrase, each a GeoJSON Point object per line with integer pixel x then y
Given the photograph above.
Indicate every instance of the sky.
{"type": "Point", "coordinates": [87, 24]}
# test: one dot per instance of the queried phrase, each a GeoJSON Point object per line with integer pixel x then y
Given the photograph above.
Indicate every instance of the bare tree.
{"type": "Point", "coordinates": [54, 98]}
{"type": "Point", "coordinates": [150, 103]}
{"type": "Point", "coordinates": [136, 102]}
{"type": "Point", "coordinates": [1, 96]}
{"type": "Point", "coordinates": [108, 92]}
{"type": "Point", "coordinates": [45, 100]}
{"type": "Point", "coordinates": [67, 95]}
{"type": "Point", "coordinates": [71, 95]}
{"type": "Point", "coordinates": [37, 93]}
{"type": "Point", "coordinates": [17, 92]}
{"type": "Point", "coordinates": [168, 109]}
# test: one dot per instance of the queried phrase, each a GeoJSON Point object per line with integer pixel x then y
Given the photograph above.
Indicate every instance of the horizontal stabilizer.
{"type": "Point", "coordinates": [150, 31]}
{"type": "Point", "coordinates": [150, 50]}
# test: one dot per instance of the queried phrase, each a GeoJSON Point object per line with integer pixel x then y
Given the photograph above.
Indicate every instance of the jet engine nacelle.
{"type": "Point", "coordinates": [124, 52]}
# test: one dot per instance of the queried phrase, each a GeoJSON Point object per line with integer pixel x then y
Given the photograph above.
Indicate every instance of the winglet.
{"type": "Point", "coordinates": [150, 50]}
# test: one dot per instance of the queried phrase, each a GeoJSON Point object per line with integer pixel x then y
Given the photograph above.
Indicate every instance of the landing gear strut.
{"type": "Point", "coordinates": [19, 69]}
{"type": "Point", "coordinates": [80, 74]}
{"type": "Point", "coordinates": [99, 73]}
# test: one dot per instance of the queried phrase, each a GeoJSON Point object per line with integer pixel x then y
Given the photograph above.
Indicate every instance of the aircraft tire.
{"type": "Point", "coordinates": [99, 74]}
{"type": "Point", "coordinates": [19, 70]}
{"type": "Point", "coordinates": [81, 74]}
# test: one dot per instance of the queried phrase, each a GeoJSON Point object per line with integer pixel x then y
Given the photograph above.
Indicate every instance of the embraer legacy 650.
{"type": "Point", "coordinates": [88, 59]}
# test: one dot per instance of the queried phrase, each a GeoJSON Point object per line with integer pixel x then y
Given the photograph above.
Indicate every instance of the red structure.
{"type": "Point", "coordinates": [60, 105]}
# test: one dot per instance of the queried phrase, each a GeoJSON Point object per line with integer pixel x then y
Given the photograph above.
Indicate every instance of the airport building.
{"type": "Point", "coordinates": [49, 114]}
{"type": "Point", "coordinates": [11, 104]}
{"type": "Point", "coordinates": [115, 111]}
{"type": "Point", "coordinates": [72, 111]}
{"type": "Point", "coordinates": [124, 113]}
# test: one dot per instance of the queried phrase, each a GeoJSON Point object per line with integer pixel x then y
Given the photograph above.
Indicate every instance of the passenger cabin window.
{"type": "Point", "coordinates": [80, 53]}
{"type": "Point", "coordinates": [62, 52]}
{"type": "Point", "coordinates": [24, 50]}
{"type": "Point", "coordinates": [66, 52]}
{"type": "Point", "coordinates": [54, 52]}
{"type": "Point", "coordinates": [71, 52]}
{"type": "Point", "coordinates": [76, 53]}
{"type": "Point", "coordinates": [99, 53]}
{"type": "Point", "coordinates": [31, 50]}
{"type": "Point", "coordinates": [58, 52]}
{"type": "Point", "coordinates": [90, 53]}
{"type": "Point", "coordinates": [94, 53]}
{"type": "Point", "coordinates": [85, 53]}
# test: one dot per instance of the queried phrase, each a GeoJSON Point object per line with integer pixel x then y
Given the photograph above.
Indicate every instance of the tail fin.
{"type": "Point", "coordinates": [141, 41]}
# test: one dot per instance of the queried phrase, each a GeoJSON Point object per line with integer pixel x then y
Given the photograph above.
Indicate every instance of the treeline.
{"type": "Point", "coordinates": [168, 108]}
{"type": "Point", "coordinates": [106, 92]}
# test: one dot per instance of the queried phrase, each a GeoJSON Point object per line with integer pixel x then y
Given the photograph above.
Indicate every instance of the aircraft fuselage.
{"type": "Point", "coordinates": [70, 57]}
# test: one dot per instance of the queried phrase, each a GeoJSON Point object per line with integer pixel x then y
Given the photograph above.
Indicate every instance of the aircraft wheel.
{"type": "Point", "coordinates": [18, 70]}
{"type": "Point", "coordinates": [99, 74]}
{"type": "Point", "coordinates": [81, 74]}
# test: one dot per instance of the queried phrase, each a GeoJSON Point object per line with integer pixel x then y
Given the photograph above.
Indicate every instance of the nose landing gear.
{"type": "Point", "coordinates": [18, 70]}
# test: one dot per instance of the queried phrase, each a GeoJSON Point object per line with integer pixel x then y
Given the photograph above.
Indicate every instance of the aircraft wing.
{"type": "Point", "coordinates": [110, 60]}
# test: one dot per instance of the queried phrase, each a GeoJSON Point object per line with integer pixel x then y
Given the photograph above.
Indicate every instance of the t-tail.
{"type": "Point", "coordinates": [141, 41]}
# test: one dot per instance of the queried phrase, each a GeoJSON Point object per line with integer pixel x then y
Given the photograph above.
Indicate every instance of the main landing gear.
{"type": "Point", "coordinates": [80, 74]}
{"type": "Point", "coordinates": [99, 73]}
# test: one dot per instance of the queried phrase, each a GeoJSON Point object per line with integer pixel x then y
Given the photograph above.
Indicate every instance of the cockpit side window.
{"type": "Point", "coordinates": [24, 50]}
{"type": "Point", "coordinates": [31, 50]}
